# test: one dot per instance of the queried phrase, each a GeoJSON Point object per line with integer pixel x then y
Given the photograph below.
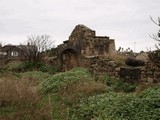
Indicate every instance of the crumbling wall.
{"type": "Point", "coordinates": [105, 66]}
{"type": "Point", "coordinates": [101, 66]}
{"type": "Point", "coordinates": [81, 32]}
{"type": "Point", "coordinates": [85, 43]}
{"type": "Point", "coordinates": [151, 72]}
{"type": "Point", "coordinates": [101, 46]}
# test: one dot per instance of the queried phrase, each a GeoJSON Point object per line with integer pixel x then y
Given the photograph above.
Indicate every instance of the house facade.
{"type": "Point", "coordinates": [10, 52]}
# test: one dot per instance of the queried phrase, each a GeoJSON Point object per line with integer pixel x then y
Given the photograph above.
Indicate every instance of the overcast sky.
{"type": "Point", "coordinates": [126, 21]}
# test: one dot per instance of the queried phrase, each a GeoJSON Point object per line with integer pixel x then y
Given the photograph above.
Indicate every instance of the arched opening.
{"type": "Point", "coordinates": [69, 59]}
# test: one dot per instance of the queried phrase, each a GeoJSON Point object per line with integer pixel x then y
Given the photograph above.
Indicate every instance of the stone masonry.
{"type": "Point", "coordinates": [82, 45]}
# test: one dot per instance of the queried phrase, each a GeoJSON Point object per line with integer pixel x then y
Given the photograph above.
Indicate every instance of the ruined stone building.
{"type": "Point", "coordinates": [82, 45]}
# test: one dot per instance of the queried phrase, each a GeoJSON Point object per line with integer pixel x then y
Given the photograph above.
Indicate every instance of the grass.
{"type": "Point", "coordinates": [19, 99]}
{"type": "Point", "coordinates": [18, 66]}
{"type": "Point", "coordinates": [119, 58]}
{"type": "Point", "coordinates": [66, 89]}
{"type": "Point", "coordinates": [81, 89]}
{"type": "Point", "coordinates": [34, 77]}
{"type": "Point", "coordinates": [73, 95]}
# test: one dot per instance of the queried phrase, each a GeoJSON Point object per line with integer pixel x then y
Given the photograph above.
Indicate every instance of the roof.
{"type": "Point", "coordinates": [8, 47]}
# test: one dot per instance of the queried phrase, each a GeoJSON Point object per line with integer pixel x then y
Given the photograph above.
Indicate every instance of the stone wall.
{"type": "Point", "coordinates": [83, 42]}
{"type": "Point", "coordinates": [101, 66]}
{"type": "Point", "coordinates": [101, 46]}
{"type": "Point", "coordinates": [151, 72]}
{"type": "Point", "coordinates": [105, 66]}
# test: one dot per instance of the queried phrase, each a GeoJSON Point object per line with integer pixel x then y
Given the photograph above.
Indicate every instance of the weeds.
{"type": "Point", "coordinates": [81, 90]}
{"type": "Point", "coordinates": [118, 85]}
{"type": "Point", "coordinates": [123, 86]}
{"type": "Point", "coordinates": [31, 66]}
{"type": "Point", "coordinates": [66, 79]}
{"type": "Point", "coordinates": [73, 95]}
{"type": "Point", "coordinates": [119, 106]}
{"type": "Point", "coordinates": [19, 100]}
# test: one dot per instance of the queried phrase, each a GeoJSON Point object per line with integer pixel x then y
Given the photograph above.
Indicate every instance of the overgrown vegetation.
{"type": "Point", "coordinates": [20, 100]}
{"type": "Point", "coordinates": [31, 66]}
{"type": "Point", "coordinates": [74, 95]}
{"type": "Point", "coordinates": [119, 106]}
{"type": "Point", "coordinates": [154, 57]}
{"type": "Point", "coordinates": [118, 85]}
{"type": "Point", "coordinates": [119, 58]}
{"type": "Point", "coordinates": [63, 80]}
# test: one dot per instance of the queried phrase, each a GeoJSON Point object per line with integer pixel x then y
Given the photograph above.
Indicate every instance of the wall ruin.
{"type": "Point", "coordinates": [82, 44]}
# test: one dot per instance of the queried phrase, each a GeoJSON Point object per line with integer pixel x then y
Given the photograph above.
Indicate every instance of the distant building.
{"type": "Point", "coordinates": [14, 52]}
{"type": "Point", "coordinates": [10, 52]}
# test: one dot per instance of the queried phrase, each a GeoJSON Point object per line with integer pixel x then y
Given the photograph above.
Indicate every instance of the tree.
{"type": "Point", "coordinates": [156, 36]}
{"type": "Point", "coordinates": [155, 55]}
{"type": "Point", "coordinates": [36, 47]}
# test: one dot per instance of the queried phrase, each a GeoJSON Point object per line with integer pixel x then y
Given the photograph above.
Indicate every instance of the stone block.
{"type": "Point", "coordinates": [130, 73]}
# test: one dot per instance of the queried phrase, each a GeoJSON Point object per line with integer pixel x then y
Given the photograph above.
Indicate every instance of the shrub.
{"type": "Point", "coordinates": [54, 69]}
{"type": "Point", "coordinates": [12, 65]}
{"type": "Point", "coordinates": [155, 57]}
{"type": "Point", "coordinates": [50, 69]}
{"type": "Point", "coordinates": [56, 82]}
{"type": "Point", "coordinates": [121, 85]}
{"type": "Point", "coordinates": [119, 106]}
{"type": "Point", "coordinates": [118, 85]}
{"type": "Point", "coordinates": [31, 66]}
{"type": "Point", "coordinates": [108, 80]}
{"type": "Point", "coordinates": [27, 66]}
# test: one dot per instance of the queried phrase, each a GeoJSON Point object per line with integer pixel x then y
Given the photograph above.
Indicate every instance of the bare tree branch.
{"type": "Point", "coordinates": [156, 22]}
{"type": "Point", "coordinates": [156, 36]}
{"type": "Point", "coordinates": [36, 47]}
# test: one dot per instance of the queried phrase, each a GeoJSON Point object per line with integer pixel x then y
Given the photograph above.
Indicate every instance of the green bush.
{"type": "Point", "coordinates": [118, 85]}
{"type": "Point", "coordinates": [50, 69]}
{"type": "Point", "coordinates": [119, 106]}
{"type": "Point", "coordinates": [152, 92]}
{"type": "Point", "coordinates": [32, 66]}
{"type": "Point", "coordinates": [107, 80]}
{"type": "Point", "coordinates": [54, 69]}
{"type": "Point", "coordinates": [27, 66]}
{"type": "Point", "coordinates": [38, 75]}
{"type": "Point", "coordinates": [121, 85]}
{"type": "Point", "coordinates": [55, 82]}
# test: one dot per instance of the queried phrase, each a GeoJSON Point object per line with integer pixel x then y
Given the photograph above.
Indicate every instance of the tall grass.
{"type": "Point", "coordinates": [20, 100]}
{"type": "Point", "coordinates": [81, 90]}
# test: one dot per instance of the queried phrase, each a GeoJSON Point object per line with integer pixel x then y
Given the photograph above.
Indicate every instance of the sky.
{"type": "Point", "coordinates": [126, 21]}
